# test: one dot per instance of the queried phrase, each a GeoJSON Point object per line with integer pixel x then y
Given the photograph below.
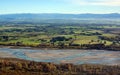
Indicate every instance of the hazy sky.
{"type": "Point", "coordinates": [59, 6]}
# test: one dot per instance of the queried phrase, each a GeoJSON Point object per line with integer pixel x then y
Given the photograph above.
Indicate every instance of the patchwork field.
{"type": "Point", "coordinates": [59, 35]}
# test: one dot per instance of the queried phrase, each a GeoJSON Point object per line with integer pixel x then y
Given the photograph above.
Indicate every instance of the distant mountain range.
{"type": "Point", "coordinates": [113, 18]}
{"type": "Point", "coordinates": [58, 16]}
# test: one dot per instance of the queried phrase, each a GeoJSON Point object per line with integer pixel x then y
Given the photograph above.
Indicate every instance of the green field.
{"type": "Point", "coordinates": [35, 35]}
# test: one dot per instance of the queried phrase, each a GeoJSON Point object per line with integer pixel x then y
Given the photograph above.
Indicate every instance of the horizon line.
{"type": "Point", "coordinates": [57, 13]}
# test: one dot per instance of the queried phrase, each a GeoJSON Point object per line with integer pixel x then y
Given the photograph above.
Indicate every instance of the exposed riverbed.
{"type": "Point", "coordinates": [63, 56]}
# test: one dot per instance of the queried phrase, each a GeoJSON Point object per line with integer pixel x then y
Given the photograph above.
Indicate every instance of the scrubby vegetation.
{"type": "Point", "coordinates": [61, 35]}
{"type": "Point", "coordinates": [23, 67]}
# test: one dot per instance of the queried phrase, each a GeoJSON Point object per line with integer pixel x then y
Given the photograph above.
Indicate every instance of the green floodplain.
{"type": "Point", "coordinates": [61, 35]}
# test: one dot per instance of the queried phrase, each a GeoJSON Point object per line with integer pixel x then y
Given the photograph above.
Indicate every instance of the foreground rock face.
{"type": "Point", "coordinates": [23, 67]}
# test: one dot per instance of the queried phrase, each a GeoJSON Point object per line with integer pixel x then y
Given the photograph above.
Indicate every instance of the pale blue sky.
{"type": "Point", "coordinates": [59, 6]}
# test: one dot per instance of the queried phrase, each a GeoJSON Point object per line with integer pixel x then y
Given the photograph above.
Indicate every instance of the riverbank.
{"type": "Point", "coordinates": [12, 66]}
{"type": "Point", "coordinates": [58, 47]}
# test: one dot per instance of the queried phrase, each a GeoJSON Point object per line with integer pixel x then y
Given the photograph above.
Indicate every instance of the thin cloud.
{"type": "Point", "coordinates": [96, 2]}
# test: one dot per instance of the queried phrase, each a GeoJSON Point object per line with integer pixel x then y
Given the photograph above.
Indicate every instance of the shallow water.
{"type": "Point", "coordinates": [64, 56]}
